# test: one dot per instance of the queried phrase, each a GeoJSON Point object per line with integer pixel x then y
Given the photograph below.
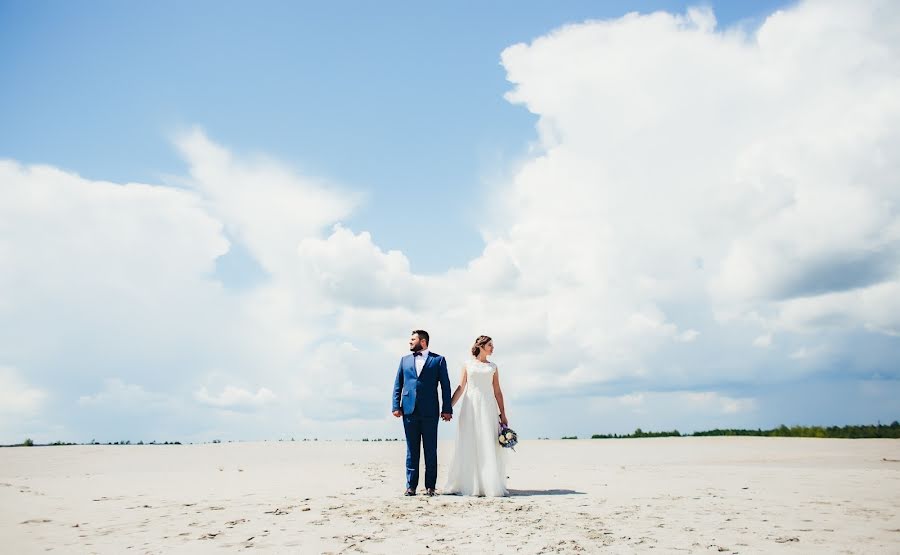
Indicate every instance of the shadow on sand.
{"type": "Point", "coordinates": [530, 492]}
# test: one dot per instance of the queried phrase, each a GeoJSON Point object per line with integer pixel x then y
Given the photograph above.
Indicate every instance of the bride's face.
{"type": "Point", "coordinates": [489, 348]}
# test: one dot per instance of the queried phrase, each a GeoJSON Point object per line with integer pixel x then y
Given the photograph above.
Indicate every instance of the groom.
{"type": "Point", "coordinates": [416, 400]}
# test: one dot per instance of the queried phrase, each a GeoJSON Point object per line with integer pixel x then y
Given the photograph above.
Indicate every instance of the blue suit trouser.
{"type": "Point", "coordinates": [421, 432]}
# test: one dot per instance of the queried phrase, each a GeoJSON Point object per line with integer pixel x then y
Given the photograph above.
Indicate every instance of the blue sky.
{"type": "Point", "coordinates": [683, 218]}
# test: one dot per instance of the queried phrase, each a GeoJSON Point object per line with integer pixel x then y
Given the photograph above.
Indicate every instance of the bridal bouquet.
{"type": "Point", "coordinates": [508, 437]}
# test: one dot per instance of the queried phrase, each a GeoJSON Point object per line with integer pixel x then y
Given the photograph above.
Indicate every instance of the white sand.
{"type": "Point", "coordinates": [695, 495]}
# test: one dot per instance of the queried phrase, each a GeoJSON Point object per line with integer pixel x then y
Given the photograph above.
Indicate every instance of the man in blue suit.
{"type": "Point", "coordinates": [416, 401]}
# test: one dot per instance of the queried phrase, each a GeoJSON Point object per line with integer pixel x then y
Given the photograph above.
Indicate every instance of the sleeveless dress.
{"type": "Point", "coordinates": [478, 466]}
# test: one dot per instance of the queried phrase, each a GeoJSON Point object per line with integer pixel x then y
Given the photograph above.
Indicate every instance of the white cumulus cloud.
{"type": "Point", "coordinates": [233, 397]}
{"type": "Point", "coordinates": [17, 398]}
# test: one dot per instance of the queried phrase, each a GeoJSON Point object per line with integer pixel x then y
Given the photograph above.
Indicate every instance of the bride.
{"type": "Point", "coordinates": [478, 466]}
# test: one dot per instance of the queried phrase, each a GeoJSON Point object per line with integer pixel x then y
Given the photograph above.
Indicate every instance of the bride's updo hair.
{"type": "Point", "coordinates": [479, 344]}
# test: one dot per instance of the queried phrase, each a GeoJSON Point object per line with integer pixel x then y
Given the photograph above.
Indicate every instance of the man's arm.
{"type": "Point", "coordinates": [398, 388]}
{"type": "Point", "coordinates": [445, 389]}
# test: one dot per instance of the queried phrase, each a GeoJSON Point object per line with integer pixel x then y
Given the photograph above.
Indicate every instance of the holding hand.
{"type": "Point", "coordinates": [446, 416]}
{"type": "Point", "coordinates": [503, 420]}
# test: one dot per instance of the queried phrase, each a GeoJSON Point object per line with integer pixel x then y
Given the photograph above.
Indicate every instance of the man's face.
{"type": "Point", "coordinates": [416, 344]}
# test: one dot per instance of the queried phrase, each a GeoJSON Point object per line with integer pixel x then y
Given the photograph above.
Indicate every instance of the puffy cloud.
{"type": "Point", "coordinates": [96, 273]}
{"type": "Point", "coordinates": [17, 398]}
{"type": "Point", "coordinates": [723, 403]}
{"type": "Point", "coordinates": [354, 271]}
{"type": "Point", "coordinates": [265, 205]}
{"type": "Point", "coordinates": [670, 401]}
{"type": "Point", "coordinates": [120, 393]}
{"type": "Point", "coordinates": [876, 308]}
{"type": "Point", "coordinates": [112, 285]}
{"type": "Point", "coordinates": [763, 341]}
{"type": "Point", "coordinates": [704, 185]}
{"type": "Point", "coordinates": [21, 405]}
{"type": "Point", "coordinates": [235, 398]}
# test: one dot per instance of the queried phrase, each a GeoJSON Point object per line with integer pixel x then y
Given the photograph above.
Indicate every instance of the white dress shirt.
{"type": "Point", "coordinates": [420, 361]}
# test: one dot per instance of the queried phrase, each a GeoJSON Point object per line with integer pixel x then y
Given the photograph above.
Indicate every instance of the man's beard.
{"type": "Point", "coordinates": [415, 348]}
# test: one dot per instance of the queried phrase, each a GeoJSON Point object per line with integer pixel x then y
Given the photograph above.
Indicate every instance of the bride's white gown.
{"type": "Point", "coordinates": [478, 466]}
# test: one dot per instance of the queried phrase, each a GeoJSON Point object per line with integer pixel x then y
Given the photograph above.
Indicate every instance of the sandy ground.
{"type": "Point", "coordinates": [693, 495]}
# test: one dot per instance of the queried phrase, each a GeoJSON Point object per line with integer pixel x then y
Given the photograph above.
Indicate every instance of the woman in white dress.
{"type": "Point", "coordinates": [478, 466]}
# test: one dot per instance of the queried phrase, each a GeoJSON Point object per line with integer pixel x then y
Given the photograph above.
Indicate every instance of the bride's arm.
{"type": "Point", "coordinates": [460, 388]}
{"type": "Point", "coordinates": [499, 395]}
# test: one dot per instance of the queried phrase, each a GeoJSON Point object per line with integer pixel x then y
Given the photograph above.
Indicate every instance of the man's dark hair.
{"type": "Point", "coordinates": [423, 335]}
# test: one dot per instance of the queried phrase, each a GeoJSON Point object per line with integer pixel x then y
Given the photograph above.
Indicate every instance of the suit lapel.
{"type": "Point", "coordinates": [431, 357]}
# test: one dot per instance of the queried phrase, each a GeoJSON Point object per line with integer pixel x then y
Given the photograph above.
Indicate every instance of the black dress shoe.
{"type": "Point", "coordinates": [430, 492]}
{"type": "Point", "coordinates": [410, 492]}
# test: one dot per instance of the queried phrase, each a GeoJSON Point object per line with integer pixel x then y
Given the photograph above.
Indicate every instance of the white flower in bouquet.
{"type": "Point", "coordinates": [507, 437]}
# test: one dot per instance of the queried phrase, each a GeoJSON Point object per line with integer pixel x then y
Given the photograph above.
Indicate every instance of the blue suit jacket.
{"type": "Point", "coordinates": [418, 393]}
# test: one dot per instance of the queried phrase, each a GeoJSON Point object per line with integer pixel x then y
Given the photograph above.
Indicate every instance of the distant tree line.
{"type": "Point", "coordinates": [30, 443]}
{"type": "Point", "coordinates": [888, 431]}
{"type": "Point", "coordinates": [637, 433]}
{"type": "Point", "coordinates": [879, 430]}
